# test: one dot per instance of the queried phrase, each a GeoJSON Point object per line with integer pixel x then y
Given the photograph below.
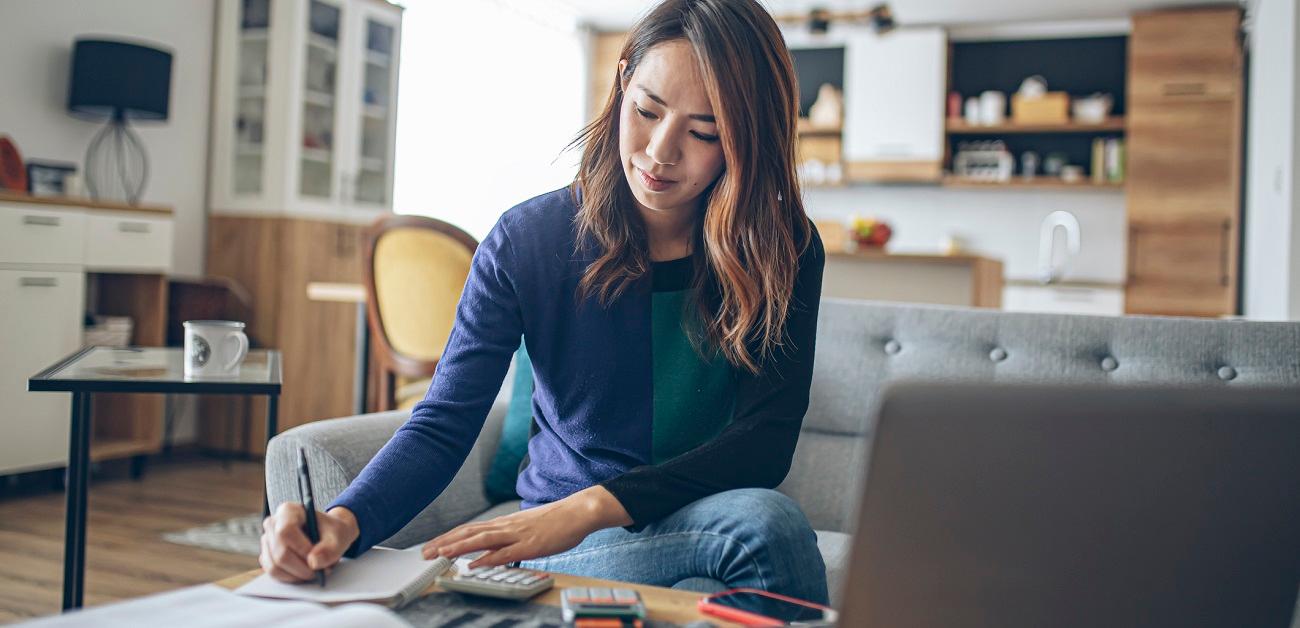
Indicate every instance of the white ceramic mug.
{"type": "Point", "coordinates": [214, 349]}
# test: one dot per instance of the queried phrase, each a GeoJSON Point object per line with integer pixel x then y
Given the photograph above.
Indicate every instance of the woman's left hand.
{"type": "Point", "coordinates": [541, 531]}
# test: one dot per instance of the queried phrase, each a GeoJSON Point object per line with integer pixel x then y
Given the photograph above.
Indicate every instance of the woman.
{"type": "Point", "coordinates": [668, 300]}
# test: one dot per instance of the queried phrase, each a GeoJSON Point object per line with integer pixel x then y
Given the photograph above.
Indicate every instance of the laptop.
{"type": "Point", "coordinates": [1018, 506]}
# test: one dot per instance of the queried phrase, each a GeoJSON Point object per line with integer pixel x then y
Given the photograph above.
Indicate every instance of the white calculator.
{"type": "Point", "coordinates": [511, 583]}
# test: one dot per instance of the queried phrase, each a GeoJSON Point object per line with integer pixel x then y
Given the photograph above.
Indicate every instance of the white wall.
{"type": "Point", "coordinates": [1272, 246]}
{"type": "Point", "coordinates": [36, 52]}
{"type": "Point", "coordinates": [36, 48]}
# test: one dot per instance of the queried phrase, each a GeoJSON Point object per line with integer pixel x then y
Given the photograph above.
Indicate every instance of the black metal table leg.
{"type": "Point", "coordinates": [272, 411]}
{"type": "Point", "coordinates": [362, 369]}
{"type": "Point", "coordinates": [74, 526]}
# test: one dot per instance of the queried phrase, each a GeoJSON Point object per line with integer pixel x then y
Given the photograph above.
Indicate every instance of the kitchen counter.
{"type": "Point", "coordinates": [960, 279]}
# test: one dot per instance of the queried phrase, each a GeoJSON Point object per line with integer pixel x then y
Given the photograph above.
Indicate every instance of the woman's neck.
{"type": "Point", "coordinates": [668, 232]}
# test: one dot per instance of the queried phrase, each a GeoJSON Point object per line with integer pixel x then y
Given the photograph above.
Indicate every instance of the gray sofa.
{"type": "Point", "coordinates": [862, 346]}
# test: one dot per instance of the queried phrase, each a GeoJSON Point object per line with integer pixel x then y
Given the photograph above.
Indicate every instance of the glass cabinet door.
{"type": "Point", "coordinates": [320, 83]}
{"type": "Point", "coordinates": [378, 76]}
{"type": "Point", "coordinates": [250, 108]}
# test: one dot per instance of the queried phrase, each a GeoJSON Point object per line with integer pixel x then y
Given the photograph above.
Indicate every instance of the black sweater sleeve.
{"type": "Point", "coordinates": [756, 448]}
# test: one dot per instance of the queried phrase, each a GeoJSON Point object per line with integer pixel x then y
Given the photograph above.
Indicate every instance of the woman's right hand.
{"type": "Point", "coordinates": [287, 554]}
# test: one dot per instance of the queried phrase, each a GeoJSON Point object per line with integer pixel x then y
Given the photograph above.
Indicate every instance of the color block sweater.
{"type": "Point", "coordinates": [620, 397]}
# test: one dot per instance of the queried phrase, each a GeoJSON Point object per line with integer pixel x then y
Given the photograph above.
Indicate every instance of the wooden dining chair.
{"type": "Point", "coordinates": [415, 271]}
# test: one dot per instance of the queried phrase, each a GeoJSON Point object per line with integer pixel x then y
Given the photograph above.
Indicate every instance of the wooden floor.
{"type": "Point", "coordinates": [126, 556]}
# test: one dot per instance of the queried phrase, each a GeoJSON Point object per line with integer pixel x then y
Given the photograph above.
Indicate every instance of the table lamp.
{"type": "Point", "coordinates": [118, 81]}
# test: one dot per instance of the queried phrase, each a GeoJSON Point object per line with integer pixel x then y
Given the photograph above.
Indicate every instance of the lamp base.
{"type": "Point", "coordinates": [117, 166]}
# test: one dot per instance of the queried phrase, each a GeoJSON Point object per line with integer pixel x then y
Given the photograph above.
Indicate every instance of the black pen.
{"type": "Point", "coordinates": [309, 503]}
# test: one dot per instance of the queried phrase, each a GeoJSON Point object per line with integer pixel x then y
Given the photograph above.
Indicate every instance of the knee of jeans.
{"type": "Point", "coordinates": [768, 514]}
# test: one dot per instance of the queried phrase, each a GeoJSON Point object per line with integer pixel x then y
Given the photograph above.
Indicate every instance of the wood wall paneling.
{"type": "Point", "coordinates": [275, 259]}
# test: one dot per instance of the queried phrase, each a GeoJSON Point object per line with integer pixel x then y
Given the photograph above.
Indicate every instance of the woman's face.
{"type": "Point", "coordinates": [668, 140]}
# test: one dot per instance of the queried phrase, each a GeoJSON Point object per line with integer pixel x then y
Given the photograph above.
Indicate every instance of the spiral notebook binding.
{"type": "Point", "coordinates": [418, 585]}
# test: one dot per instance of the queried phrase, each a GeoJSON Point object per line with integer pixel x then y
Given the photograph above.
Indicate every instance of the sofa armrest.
{"type": "Point", "coordinates": [338, 449]}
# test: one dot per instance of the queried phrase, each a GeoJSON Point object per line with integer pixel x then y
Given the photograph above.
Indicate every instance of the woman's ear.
{"type": "Point", "coordinates": [622, 80]}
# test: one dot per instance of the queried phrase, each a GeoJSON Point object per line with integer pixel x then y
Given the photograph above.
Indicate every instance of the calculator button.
{"type": "Point", "coordinates": [514, 577]}
{"type": "Point", "coordinates": [530, 579]}
{"type": "Point", "coordinates": [625, 596]}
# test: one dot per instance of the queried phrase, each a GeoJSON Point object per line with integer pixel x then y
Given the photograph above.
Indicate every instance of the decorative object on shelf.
{"type": "Point", "coordinates": [1028, 165]}
{"type": "Point", "coordinates": [972, 111]}
{"type": "Point", "coordinates": [48, 178]}
{"type": "Point", "coordinates": [12, 174]}
{"type": "Point", "coordinates": [1033, 87]}
{"type": "Point", "coordinates": [993, 107]}
{"type": "Point", "coordinates": [118, 81]}
{"type": "Point", "coordinates": [828, 111]}
{"type": "Point", "coordinates": [819, 21]}
{"type": "Point", "coordinates": [812, 172]}
{"type": "Point", "coordinates": [881, 18]}
{"type": "Point", "coordinates": [1033, 104]}
{"type": "Point", "coordinates": [870, 233]}
{"type": "Point", "coordinates": [1098, 160]}
{"type": "Point", "coordinates": [954, 106]}
{"type": "Point", "coordinates": [1115, 160]}
{"type": "Point", "coordinates": [1053, 164]}
{"type": "Point", "coordinates": [1092, 109]}
{"type": "Point", "coordinates": [952, 244]}
{"type": "Point", "coordinates": [1072, 174]}
{"type": "Point", "coordinates": [987, 160]}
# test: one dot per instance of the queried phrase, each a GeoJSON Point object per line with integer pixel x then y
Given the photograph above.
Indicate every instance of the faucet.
{"type": "Point", "coordinates": [1048, 272]}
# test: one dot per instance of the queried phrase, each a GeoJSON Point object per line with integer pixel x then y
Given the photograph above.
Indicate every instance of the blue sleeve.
{"type": "Point", "coordinates": [421, 459]}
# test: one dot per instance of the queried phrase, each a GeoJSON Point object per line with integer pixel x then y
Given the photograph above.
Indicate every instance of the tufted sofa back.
{"type": "Point", "coordinates": [863, 345]}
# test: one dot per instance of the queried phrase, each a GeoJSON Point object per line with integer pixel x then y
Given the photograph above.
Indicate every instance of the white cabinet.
{"type": "Point", "coordinates": [1064, 299]}
{"type": "Point", "coordinates": [40, 236]}
{"type": "Point", "coordinates": [304, 115]}
{"type": "Point", "coordinates": [40, 322]}
{"type": "Point", "coordinates": [124, 242]}
{"type": "Point", "coordinates": [894, 103]}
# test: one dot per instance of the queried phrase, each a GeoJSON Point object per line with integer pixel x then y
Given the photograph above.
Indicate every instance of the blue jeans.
{"type": "Point", "coordinates": [749, 537]}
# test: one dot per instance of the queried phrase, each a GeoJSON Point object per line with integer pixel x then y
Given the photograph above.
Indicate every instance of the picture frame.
{"type": "Point", "coordinates": [48, 178]}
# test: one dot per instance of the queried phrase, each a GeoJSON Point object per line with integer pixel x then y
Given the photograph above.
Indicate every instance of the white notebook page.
{"type": "Point", "coordinates": [380, 574]}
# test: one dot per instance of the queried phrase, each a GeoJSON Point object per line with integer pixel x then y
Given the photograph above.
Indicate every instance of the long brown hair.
{"type": "Point", "coordinates": [753, 228]}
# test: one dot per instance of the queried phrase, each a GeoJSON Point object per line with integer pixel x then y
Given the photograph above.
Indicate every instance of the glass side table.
{"type": "Point", "coordinates": [133, 370]}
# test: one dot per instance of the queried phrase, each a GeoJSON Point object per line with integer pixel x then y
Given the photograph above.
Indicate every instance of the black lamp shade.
{"type": "Point", "coordinates": [115, 78]}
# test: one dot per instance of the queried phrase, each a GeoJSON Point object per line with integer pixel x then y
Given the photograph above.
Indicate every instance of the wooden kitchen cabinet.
{"type": "Point", "coordinates": [1184, 163]}
{"type": "Point", "coordinates": [1186, 53]}
{"type": "Point", "coordinates": [1184, 160]}
{"type": "Point", "coordinates": [1186, 268]}
{"type": "Point", "coordinates": [275, 259]}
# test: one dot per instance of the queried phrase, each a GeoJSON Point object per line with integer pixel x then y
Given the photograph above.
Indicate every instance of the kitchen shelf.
{"type": "Point", "coordinates": [1112, 124]}
{"type": "Point", "coordinates": [820, 132]}
{"type": "Point", "coordinates": [1037, 183]}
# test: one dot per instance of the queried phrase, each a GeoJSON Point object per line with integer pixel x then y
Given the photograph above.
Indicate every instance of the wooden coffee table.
{"type": "Point", "coordinates": [661, 604]}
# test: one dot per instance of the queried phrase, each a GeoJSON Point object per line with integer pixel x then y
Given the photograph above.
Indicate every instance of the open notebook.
{"type": "Point", "coordinates": [381, 576]}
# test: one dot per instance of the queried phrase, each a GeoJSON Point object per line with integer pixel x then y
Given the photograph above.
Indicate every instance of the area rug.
{"type": "Point", "coordinates": [238, 535]}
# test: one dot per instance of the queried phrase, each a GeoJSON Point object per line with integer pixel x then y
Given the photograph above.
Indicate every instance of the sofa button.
{"type": "Point", "coordinates": [998, 354]}
{"type": "Point", "coordinates": [892, 347]}
{"type": "Point", "coordinates": [1227, 373]}
{"type": "Point", "coordinates": [1109, 364]}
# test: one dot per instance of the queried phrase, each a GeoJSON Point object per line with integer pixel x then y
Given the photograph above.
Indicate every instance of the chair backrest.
{"type": "Point", "coordinates": [864, 345]}
{"type": "Point", "coordinates": [415, 271]}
